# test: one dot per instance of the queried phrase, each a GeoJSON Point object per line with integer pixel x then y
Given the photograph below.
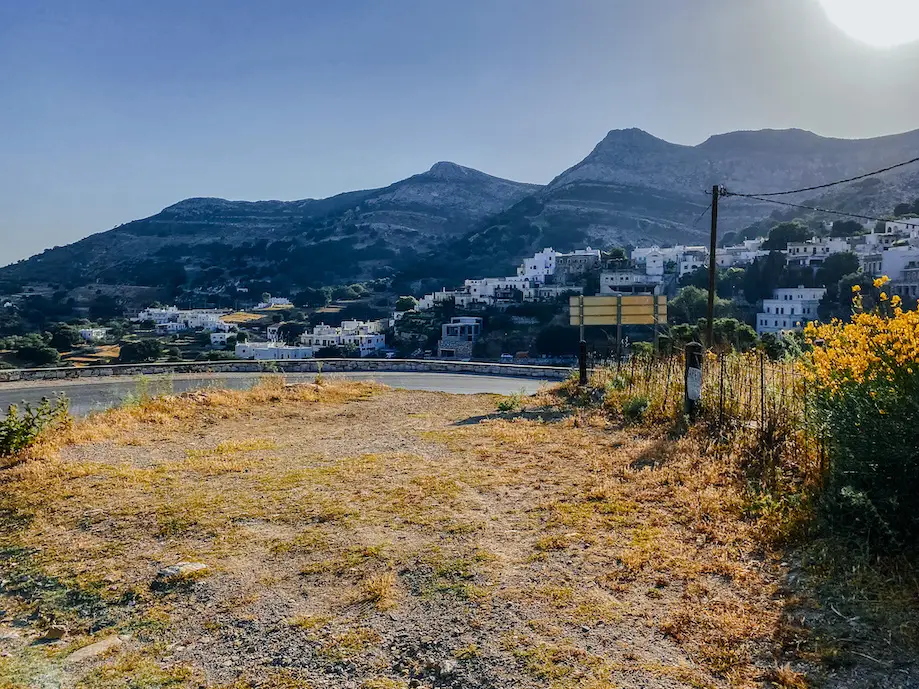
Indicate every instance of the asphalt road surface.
{"type": "Point", "coordinates": [88, 395]}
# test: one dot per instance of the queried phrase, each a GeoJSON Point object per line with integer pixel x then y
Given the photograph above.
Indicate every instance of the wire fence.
{"type": "Point", "coordinates": [749, 394]}
{"type": "Point", "coordinates": [736, 388]}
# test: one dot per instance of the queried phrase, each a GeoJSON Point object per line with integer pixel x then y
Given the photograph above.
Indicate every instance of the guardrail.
{"type": "Point", "coordinates": [290, 366]}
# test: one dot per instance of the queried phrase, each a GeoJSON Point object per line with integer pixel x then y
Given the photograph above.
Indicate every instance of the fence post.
{"type": "Point", "coordinates": [692, 377]}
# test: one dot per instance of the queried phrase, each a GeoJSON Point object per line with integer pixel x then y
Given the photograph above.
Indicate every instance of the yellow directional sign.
{"type": "Point", "coordinates": [618, 310]}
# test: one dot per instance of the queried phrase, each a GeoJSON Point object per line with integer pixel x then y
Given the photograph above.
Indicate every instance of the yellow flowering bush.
{"type": "Point", "coordinates": [863, 378]}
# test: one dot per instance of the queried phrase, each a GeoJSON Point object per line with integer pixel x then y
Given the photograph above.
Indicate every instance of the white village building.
{"type": "Point", "coordinates": [789, 309]}
{"type": "Point", "coordinates": [275, 302]}
{"type": "Point", "coordinates": [167, 314]}
{"type": "Point", "coordinates": [220, 339]}
{"type": "Point", "coordinates": [815, 251]}
{"type": "Point", "coordinates": [367, 336]}
{"type": "Point", "coordinates": [93, 334]}
{"type": "Point", "coordinates": [171, 319]}
{"type": "Point", "coordinates": [742, 254]}
{"type": "Point", "coordinates": [271, 351]}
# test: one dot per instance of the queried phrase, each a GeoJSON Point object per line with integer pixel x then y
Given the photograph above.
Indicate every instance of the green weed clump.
{"type": "Point", "coordinates": [511, 402]}
{"type": "Point", "coordinates": [634, 408]}
{"type": "Point", "coordinates": [19, 430]}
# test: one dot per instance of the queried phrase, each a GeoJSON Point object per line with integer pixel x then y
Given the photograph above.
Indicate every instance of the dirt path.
{"type": "Point", "coordinates": [382, 539]}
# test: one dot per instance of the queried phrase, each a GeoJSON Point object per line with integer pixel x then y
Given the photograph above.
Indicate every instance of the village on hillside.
{"type": "Point", "coordinates": [772, 285]}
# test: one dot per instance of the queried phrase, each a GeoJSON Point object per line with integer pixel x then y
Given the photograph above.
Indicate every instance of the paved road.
{"type": "Point", "coordinates": [88, 395]}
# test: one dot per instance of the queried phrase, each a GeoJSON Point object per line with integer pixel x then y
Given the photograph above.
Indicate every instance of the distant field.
{"type": "Point", "coordinates": [357, 536]}
{"type": "Point", "coordinates": [242, 317]}
{"type": "Point", "coordinates": [84, 358]}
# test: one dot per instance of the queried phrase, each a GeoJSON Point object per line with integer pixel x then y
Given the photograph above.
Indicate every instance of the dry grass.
{"type": "Point", "coordinates": [240, 317]}
{"type": "Point", "coordinates": [84, 358]}
{"type": "Point", "coordinates": [339, 520]}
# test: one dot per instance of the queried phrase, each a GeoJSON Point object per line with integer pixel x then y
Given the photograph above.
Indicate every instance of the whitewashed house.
{"type": "Point", "coordinates": [269, 351]}
{"type": "Point", "coordinates": [367, 336]}
{"type": "Point", "coordinates": [629, 281]}
{"type": "Point", "coordinates": [539, 267]}
{"type": "Point", "coordinates": [815, 251]}
{"type": "Point", "coordinates": [167, 314]}
{"type": "Point", "coordinates": [93, 334]}
{"type": "Point", "coordinates": [429, 301]}
{"type": "Point", "coordinates": [275, 302]}
{"type": "Point", "coordinates": [789, 309]}
{"type": "Point", "coordinates": [742, 254]}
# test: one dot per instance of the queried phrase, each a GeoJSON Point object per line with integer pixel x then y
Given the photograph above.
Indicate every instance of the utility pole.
{"type": "Point", "coordinates": [712, 269]}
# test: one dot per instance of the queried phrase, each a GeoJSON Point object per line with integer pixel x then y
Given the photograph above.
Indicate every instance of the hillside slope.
{"type": "Point", "coordinates": [634, 188]}
{"type": "Point", "coordinates": [210, 242]}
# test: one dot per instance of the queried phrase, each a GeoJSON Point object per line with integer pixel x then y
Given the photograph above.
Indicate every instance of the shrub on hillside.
{"type": "Point", "coordinates": [865, 380]}
{"type": "Point", "coordinates": [18, 429]}
{"type": "Point", "coordinates": [141, 352]}
{"type": "Point", "coordinates": [38, 355]}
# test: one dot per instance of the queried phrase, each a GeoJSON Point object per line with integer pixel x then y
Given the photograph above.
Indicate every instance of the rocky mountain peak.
{"type": "Point", "coordinates": [446, 170]}
{"type": "Point", "coordinates": [198, 203]}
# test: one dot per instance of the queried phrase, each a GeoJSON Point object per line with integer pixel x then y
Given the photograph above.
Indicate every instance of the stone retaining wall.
{"type": "Point", "coordinates": [290, 366]}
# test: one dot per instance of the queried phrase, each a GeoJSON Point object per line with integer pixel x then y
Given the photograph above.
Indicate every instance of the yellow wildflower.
{"type": "Point", "coordinates": [881, 281]}
{"type": "Point", "coordinates": [856, 288]}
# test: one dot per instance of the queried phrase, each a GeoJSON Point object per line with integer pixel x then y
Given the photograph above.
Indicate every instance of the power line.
{"type": "Point", "coordinates": [817, 209]}
{"type": "Point", "coordinates": [702, 215]}
{"type": "Point", "coordinates": [833, 184]}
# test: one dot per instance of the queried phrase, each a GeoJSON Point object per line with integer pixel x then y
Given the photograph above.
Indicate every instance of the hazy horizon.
{"type": "Point", "coordinates": [122, 109]}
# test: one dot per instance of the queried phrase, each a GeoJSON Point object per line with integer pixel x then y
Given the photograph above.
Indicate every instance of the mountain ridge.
{"type": "Point", "coordinates": [451, 220]}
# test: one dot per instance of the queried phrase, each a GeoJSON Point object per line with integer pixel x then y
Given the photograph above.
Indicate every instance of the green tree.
{"type": "Point", "coordinates": [64, 337]}
{"type": "Point", "coordinates": [691, 304]}
{"type": "Point", "coordinates": [557, 340]}
{"type": "Point", "coordinates": [406, 303]}
{"type": "Point", "coordinates": [345, 293]}
{"type": "Point", "coordinates": [785, 232]}
{"type": "Point", "coordinates": [763, 276]}
{"type": "Point", "coordinates": [902, 209]}
{"type": "Point", "coordinates": [311, 298]}
{"type": "Point", "coordinates": [696, 278]}
{"type": "Point", "coordinates": [142, 351]}
{"type": "Point", "coordinates": [591, 283]}
{"type": "Point", "coordinates": [37, 355]}
{"type": "Point", "coordinates": [835, 267]}
{"type": "Point", "coordinates": [290, 333]}
{"type": "Point", "coordinates": [773, 345]}
{"type": "Point", "coordinates": [734, 334]}
{"type": "Point", "coordinates": [730, 282]}
{"type": "Point", "coordinates": [105, 308]}
{"type": "Point", "coordinates": [847, 228]}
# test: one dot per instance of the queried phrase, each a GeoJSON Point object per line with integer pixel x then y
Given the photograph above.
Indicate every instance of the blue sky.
{"type": "Point", "coordinates": [114, 109]}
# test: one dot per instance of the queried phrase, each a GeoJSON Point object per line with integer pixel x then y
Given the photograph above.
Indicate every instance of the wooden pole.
{"type": "Point", "coordinates": [712, 269]}
{"type": "Point", "coordinates": [582, 347]}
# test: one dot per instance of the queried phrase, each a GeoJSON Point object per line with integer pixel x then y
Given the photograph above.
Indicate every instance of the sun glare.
{"type": "Point", "coordinates": [879, 23]}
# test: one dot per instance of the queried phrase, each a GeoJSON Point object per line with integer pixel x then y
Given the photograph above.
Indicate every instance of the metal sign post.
{"type": "Point", "coordinates": [582, 346]}
{"type": "Point", "coordinates": [693, 379]}
{"type": "Point", "coordinates": [618, 310]}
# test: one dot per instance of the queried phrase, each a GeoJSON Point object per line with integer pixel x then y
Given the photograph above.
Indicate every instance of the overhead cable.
{"type": "Point", "coordinates": [833, 184]}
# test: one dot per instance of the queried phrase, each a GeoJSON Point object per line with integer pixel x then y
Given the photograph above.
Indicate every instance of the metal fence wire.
{"type": "Point", "coordinates": [736, 388]}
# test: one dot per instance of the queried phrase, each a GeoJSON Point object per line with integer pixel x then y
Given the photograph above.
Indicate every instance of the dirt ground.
{"type": "Point", "coordinates": [356, 536]}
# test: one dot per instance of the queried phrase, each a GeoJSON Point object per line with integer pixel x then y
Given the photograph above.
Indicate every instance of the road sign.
{"type": "Point", "coordinates": [618, 310]}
